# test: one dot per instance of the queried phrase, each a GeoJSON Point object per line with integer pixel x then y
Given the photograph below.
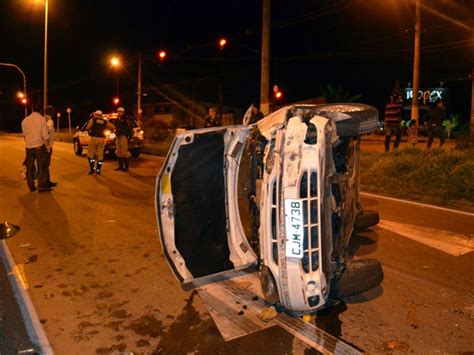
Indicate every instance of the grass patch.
{"type": "Point", "coordinates": [160, 149]}
{"type": "Point", "coordinates": [439, 176]}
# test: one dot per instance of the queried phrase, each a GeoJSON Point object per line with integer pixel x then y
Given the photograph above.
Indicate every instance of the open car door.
{"type": "Point", "coordinates": [198, 220]}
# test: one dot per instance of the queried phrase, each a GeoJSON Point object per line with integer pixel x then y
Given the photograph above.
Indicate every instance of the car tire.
{"type": "Point", "coordinates": [269, 286]}
{"type": "Point", "coordinates": [135, 152]}
{"type": "Point", "coordinates": [366, 219]}
{"type": "Point", "coordinates": [359, 276]}
{"type": "Point", "coordinates": [364, 118]}
{"type": "Point", "coordinates": [77, 147]}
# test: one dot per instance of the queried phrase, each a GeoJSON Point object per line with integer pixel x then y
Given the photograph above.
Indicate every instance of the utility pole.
{"type": "Point", "coordinates": [265, 64]}
{"type": "Point", "coordinates": [45, 71]}
{"type": "Point", "coordinates": [471, 133]}
{"type": "Point", "coordinates": [416, 64]}
{"type": "Point", "coordinates": [139, 89]}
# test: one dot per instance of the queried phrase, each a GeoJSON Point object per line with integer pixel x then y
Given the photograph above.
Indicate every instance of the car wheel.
{"type": "Point", "coordinates": [364, 118]}
{"type": "Point", "coordinates": [366, 219]}
{"type": "Point", "coordinates": [359, 276]}
{"type": "Point", "coordinates": [77, 147]}
{"type": "Point", "coordinates": [135, 152]}
{"type": "Point", "coordinates": [269, 286]}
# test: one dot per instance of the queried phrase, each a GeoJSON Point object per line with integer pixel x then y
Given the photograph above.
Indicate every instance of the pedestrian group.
{"type": "Point", "coordinates": [38, 132]}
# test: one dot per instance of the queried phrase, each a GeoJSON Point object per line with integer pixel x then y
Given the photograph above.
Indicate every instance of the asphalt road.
{"type": "Point", "coordinates": [100, 283]}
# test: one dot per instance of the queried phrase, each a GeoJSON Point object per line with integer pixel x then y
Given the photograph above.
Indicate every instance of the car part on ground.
{"type": "Point", "coordinates": [282, 193]}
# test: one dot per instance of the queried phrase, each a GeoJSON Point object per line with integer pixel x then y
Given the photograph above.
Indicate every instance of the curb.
{"type": "Point", "coordinates": [30, 317]}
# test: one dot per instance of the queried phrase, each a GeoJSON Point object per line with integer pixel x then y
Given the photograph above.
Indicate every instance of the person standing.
{"type": "Point", "coordinates": [124, 131]}
{"type": "Point", "coordinates": [436, 116]}
{"type": "Point", "coordinates": [212, 119]}
{"type": "Point", "coordinates": [95, 150]}
{"type": "Point", "coordinates": [35, 132]}
{"type": "Point", "coordinates": [412, 133]}
{"type": "Point", "coordinates": [393, 120]}
{"type": "Point", "coordinates": [48, 116]}
{"type": "Point", "coordinates": [255, 115]}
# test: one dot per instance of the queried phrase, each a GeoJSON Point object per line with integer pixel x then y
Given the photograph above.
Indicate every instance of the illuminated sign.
{"type": "Point", "coordinates": [425, 96]}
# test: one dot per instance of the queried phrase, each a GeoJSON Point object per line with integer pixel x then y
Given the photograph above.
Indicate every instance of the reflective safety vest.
{"type": "Point", "coordinates": [98, 127]}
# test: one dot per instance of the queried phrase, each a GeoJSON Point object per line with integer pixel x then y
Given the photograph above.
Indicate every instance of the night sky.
{"type": "Point", "coordinates": [362, 45]}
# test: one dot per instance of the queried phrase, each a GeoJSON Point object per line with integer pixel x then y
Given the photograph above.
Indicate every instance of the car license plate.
{"type": "Point", "coordinates": [294, 228]}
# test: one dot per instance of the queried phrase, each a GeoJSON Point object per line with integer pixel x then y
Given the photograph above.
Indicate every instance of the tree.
{"type": "Point", "coordinates": [451, 123]}
{"type": "Point", "coordinates": [336, 93]}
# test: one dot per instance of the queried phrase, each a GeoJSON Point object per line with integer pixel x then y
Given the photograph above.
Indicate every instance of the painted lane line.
{"type": "Point", "coordinates": [447, 242]}
{"type": "Point", "coordinates": [418, 204]}
{"type": "Point", "coordinates": [19, 272]}
{"type": "Point", "coordinates": [30, 317]}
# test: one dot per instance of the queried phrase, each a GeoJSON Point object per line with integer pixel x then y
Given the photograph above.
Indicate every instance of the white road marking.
{"type": "Point", "coordinates": [417, 204]}
{"type": "Point", "coordinates": [32, 322]}
{"type": "Point", "coordinates": [448, 242]}
{"type": "Point", "coordinates": [55, 158]}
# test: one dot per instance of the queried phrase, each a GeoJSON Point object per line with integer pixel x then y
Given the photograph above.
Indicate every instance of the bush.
{"type": "Point", "coordinates": [437, 176]}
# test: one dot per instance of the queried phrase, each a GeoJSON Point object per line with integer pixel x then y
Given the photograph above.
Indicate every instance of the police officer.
{"type": "Point", "coordinates": [124, 131]}
{"type": "Point", "coordinates": [96, 128]}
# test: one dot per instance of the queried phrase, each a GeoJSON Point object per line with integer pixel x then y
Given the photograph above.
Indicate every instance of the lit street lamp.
{"type": "Point", "coordinates": [116, 63]}
{"type": "Point", "coordinates": [222, 43]}
{"type": "Point", "coordinates": [45, 68]}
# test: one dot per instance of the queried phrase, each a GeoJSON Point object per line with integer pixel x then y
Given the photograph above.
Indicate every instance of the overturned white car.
{"type": "Point", "coordinates": [281, 195]}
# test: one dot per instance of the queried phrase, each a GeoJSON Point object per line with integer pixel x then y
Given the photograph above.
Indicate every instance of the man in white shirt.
{"type": "Point", "coordinates": [48, 116]}
{"type": "Point", "coordinates": [35, 132]}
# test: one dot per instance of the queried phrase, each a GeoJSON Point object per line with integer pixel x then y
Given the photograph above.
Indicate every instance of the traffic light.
{"type": "Point", "coordinates": [222, 43]}
{"type": "Point", "coordinates": [162, 55]}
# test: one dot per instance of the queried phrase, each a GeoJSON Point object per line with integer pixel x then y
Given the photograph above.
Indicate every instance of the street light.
{"type": "Point", "coordinates": [222, 43]}
{"type": "Point", "coordinates": [116, 63]}
{"type": "Point", "coordinates": [45, 69]}
{"type": "Point", "coordinates": [24, 82]}
{"type": "Point", "coordinates": [45, 83]}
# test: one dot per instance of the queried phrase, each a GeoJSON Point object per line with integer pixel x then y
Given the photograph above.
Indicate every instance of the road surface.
{"type": "Point", "coordinates": [100, 283]}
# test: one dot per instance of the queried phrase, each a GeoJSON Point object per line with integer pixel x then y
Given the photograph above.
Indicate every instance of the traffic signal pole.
{"type": "Point", "coordinates": [265, 63]}
{"type": "Point", "coordinates": [139, 89]}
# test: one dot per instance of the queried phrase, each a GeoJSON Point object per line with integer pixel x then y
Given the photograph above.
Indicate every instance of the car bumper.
{"type": "Point", "coordinates": [299, 175]}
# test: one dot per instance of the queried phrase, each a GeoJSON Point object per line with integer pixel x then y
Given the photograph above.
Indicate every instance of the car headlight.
{"type": "Point", "coordinates": [106, 132]}
{"type": "Point", "coordinates": [112, 135]}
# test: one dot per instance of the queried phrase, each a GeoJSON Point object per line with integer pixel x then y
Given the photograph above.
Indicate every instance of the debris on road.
{"type": "Point", "coordinates": [267, 314]}
{"type": "Point", "coordinates": [25, 245]}
{"type": "Point", "coordinates": [31, 259]}
{"type": "Point", "coordinates": [8, 230]}
{"type": "Point", "coordinates": [396, 345]}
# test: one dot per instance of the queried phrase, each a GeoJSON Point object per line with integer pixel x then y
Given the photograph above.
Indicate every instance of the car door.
{"type": "Point", "coordinates": [84, 136]}
{"type": "Point", "coordinates": [199, 228]}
